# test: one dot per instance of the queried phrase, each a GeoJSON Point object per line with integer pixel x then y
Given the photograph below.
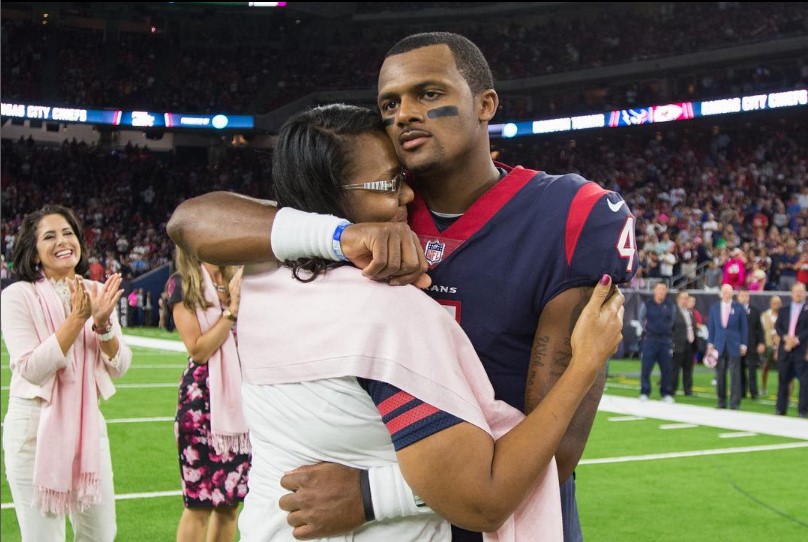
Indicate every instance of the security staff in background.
{"type": "Point", "coordinates": [657, 316]}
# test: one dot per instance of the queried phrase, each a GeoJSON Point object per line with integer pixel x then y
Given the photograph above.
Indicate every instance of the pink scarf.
{"type": "Point", "coordinates": [228, 428]}
{"type": "Point", "coordinates": [66, 461]}
{"type": "Point", "coordinates": [342, 324]}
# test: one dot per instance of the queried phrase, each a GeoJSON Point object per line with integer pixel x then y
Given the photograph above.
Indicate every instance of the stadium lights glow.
{"type": "Point", "coordinates": [509, 130]}
{"type": "Point", "coordinates": [233, 4]}
{"type": "Point", "coordinates": [219, 121]}
{"type": "Point", "coordinates": [552, 125]}
{"type": "Point", "coordinates": [654, 114]}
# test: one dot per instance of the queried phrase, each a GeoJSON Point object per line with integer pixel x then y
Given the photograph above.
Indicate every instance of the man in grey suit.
{"type": "Point", "coordinates": [728, 331]}
{"type": "Point", "coordinates": [684, 342]}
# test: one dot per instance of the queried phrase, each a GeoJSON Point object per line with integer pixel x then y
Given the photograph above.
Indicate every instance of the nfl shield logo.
{"type": "Point", "coordinates": [434, 251]}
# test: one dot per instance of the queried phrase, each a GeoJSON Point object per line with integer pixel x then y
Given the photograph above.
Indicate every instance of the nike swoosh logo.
{"type": "Point", "coordinates": [614, 206]}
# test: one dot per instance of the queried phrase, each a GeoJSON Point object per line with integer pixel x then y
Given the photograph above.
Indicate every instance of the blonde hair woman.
{"type": "Point", "coordinates": [212, 439]}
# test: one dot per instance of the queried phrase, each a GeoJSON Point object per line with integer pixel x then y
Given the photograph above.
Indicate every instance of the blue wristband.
{"type": "Point", "coordinates": [336, 243]}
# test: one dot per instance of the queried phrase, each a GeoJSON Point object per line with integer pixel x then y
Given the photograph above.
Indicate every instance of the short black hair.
{"type": "Point", "coordinates": [470, 61]}
{"type": "Point", "coordinates": [24, 255]}
{"type": "Point", "coordinates": [311, 160]}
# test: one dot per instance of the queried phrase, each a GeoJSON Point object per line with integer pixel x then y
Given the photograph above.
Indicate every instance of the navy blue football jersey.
{"type": "Point", "coordinates": [527, 239]}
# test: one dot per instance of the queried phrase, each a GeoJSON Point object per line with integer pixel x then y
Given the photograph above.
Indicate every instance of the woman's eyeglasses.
{"type": "Point", "coordinates": [389, 186]}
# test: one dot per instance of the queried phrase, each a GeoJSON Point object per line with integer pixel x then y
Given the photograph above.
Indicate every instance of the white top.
{"type": "Point", "coordinates": [305, 423]}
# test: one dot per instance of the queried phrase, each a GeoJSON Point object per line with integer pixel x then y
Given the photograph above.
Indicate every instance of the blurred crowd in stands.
{"type": "Point", "coordinates": [188, 68]}
{"type": "Point", "coordinates": [713, 204]}
{"type": "Point", "coordinates": [123, 197]}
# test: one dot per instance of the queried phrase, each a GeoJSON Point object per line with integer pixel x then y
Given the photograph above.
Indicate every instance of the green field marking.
{"type": "Point", "coordinates": [144, 457]}
{"type": "Point", "coordinates": [755, 496]}
{"type": "Point", "coordinates": [695, 453]}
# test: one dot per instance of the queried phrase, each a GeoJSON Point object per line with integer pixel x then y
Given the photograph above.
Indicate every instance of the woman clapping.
{"type": "Point", "coordinates": [65, 346]}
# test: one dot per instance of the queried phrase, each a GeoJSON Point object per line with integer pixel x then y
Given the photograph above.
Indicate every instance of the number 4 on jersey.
{"type": "Point", "coordinates": [626, 244]}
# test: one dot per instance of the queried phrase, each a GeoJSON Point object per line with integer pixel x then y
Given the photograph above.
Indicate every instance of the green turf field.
{"type": "Point", "coordinates": [640, 479]}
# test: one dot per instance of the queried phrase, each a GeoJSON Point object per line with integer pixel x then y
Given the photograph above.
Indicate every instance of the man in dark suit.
{"type": "Point", "coordinates": [756, 343]}
{"type": "Point", "coordinates": [728, 327]}
{"type": "Point", "coordinates": [684, 341]}
{"type": "Point", "coordinates": [792, 326]}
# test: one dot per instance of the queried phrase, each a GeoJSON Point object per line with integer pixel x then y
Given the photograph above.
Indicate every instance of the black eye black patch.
{"type": "Point", "coordinates": [388, 122]}
{"type": "Point", "coordinates": [445, 111]}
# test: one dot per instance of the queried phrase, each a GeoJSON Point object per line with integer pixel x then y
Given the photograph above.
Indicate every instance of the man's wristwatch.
{"type": "Point", "coordinates": [227, 313]}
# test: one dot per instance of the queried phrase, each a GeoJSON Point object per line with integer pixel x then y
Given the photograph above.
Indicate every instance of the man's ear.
{"type": "Point", "coordinates": [488, 101]}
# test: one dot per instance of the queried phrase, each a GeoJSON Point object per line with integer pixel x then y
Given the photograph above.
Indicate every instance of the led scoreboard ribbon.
{"type": "Point", "coordinates": [654, 114]}
{"type": "Point", "coordinates": [129, 119]}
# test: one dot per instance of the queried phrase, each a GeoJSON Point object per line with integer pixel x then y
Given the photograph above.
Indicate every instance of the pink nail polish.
{"type": "Point", "coordinates": [605, 279]}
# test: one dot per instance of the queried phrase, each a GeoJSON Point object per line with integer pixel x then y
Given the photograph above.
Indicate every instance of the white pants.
{"type": "Point", "coordinates": [97, 524]}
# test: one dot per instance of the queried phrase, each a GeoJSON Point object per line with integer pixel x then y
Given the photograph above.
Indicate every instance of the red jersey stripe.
{"type": "Point", "coordinates": [410, 417]}
{"type": "Point", "coordinates": [394, 401]}
{"type": "Point", "coordinates": [581, 206]}
{"type": "Point", "coordinates": [480, 212]}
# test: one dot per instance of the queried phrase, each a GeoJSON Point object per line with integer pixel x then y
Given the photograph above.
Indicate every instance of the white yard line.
{"type": "Point", "coordinates": [146, 386]}
{"type": "Point", "coordinates": [140, 355]}
{"type": "Point", "coordinates": [666, 426]}
{"type": "Point", "coordinates": [142, 420]}
{"type": "Point", "coordinates": [124, 497]}
{"type": "Point", "coordinates": [694, 453]}
{"type": "Point", "coordinates": [172, 367]}
{"type": "Point", "coordinates": [132, 386]}
{"type": "Point", "coordinates": [735, 420]}
{"type": "Point", "coordinates": [138, 420]}
{"type": "Point", "coordinates": [159, 344]}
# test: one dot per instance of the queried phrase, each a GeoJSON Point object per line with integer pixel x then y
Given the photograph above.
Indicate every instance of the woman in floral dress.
{"type": "Point", "coordinates": [212, 437]}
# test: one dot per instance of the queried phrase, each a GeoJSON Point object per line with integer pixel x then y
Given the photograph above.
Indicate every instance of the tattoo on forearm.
{"type": "Point", "coordinates": [537, 355]}
{"type": "Point", "coordinates": [540, 350]}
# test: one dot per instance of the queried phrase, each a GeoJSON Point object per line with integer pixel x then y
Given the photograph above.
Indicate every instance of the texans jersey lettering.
{"type": "Point", "coordinates": [437, 288]}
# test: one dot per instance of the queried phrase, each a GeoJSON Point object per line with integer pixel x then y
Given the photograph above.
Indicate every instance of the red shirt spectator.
{"type": "Point", "coordinates": [802, 267]}
{"type": "Point", "coordinates": [96, 270]}
{"type": "Point", "coordinates": [760, 222]}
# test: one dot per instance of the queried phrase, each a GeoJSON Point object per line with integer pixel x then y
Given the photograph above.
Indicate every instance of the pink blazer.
{"type": "Point", "coordinates": [35, 353]}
